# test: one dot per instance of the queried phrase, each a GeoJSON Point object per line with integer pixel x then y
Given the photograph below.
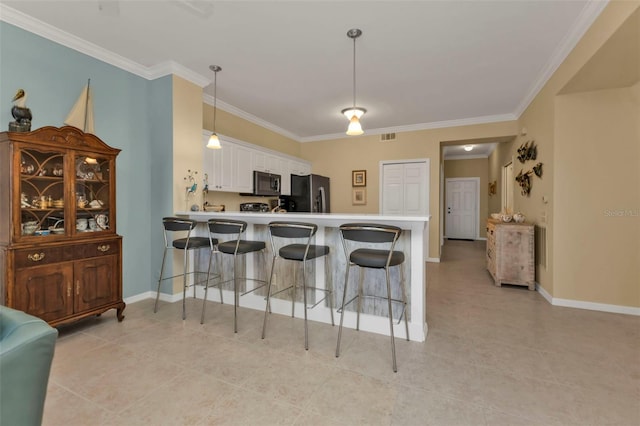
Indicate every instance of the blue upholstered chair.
{"type": "Point", "coordinates": [26, 351]}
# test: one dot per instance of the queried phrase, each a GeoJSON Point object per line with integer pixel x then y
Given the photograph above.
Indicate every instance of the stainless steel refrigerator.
{"type": "Point", "coordinates": [310, 193]}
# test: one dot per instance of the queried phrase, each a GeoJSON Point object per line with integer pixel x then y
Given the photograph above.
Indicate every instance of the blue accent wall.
{"type": "Point", "coordinates": [131, 113]}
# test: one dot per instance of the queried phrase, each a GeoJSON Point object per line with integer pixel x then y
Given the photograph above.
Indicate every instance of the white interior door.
{"type": "Point", "coordinates": [405, 188]}
{"type": "Point", "coordinates": [462, 208]}
{"type": "Point", "coordinates": [392, 189]}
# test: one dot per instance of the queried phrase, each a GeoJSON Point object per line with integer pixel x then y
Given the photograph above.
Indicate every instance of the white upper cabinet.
{"type": "Point", "coordinates": [269, 163]}
{"type": "Point", "coordinates": [243, 172]}
{"type": "Point", "coordinates": [299, 167]}
{"type": "Point", "coordinates": [231, 168]}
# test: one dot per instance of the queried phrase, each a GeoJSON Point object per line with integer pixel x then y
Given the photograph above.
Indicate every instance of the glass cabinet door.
{"type": "Point", "coordinates": [42, 194]}
{"type": "Point", "coordinates": [92, 196]}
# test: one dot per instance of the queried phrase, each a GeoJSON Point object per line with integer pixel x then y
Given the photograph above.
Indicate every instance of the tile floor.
{"type": "Point", "coordinates": [493, 356]}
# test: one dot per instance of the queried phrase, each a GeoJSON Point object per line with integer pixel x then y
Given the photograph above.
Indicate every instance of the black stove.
{"type": "Point", "coordinates": [254, 207]}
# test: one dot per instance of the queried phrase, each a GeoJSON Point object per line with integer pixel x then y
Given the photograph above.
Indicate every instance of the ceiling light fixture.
{"type": "Point", "coordinates": [468, 148]}
{"type": "Point", "coordinates": [214, 142]}
{"type": "Point", "coordinates": [354, 113]}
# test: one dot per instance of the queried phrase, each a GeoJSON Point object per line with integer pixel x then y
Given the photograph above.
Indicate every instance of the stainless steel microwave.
{"type": "Point", "coordinates": [266, 184]}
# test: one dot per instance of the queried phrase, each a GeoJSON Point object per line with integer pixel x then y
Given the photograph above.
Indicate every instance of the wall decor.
{"type": "Point", "coordinates": [524, 181]}
{"type": "Point", "coordinates": [359, 196]}
{"type": "Point", "coordinates": [492, 187]}
{"type": "Point", "coordinates": [537, 169]}
{"type": "Point", "coordinates": [528, 151]}
{"type": "Point", "coordinates": [359, 178]}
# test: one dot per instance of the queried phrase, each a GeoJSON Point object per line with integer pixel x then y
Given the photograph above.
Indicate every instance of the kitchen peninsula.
{"type": "Point", "coordinates": [413, 242]}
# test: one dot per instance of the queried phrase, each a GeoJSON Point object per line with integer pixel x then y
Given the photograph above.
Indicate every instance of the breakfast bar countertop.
{"type": "Point", "coordinates": [414, 243]}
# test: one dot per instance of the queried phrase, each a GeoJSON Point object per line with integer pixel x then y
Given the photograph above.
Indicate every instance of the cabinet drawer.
{"type": "Point", "coordinates": [26, 258]}
{"type": "Point", "coordinates": [95, 249]}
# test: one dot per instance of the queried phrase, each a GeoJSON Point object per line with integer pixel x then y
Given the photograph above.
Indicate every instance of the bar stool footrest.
{"type": "Point", "coordinates": [364, 296]}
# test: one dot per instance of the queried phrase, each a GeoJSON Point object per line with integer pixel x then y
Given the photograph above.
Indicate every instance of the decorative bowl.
{"type": "Point", "coordinates": [496, 216]}
{"type": "Point", "coordinates": [506, 218]}
{"type": "Point", "coordinates": [212, 208]}
{"type": "Point", "coordinates": [518, 218]}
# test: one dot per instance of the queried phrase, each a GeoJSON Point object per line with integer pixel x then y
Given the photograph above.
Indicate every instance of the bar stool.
{"type": "Point", "coordinates": [236, 246]}
{"type": "Point", "coordinates": [170, 226]}
{"type": "Point", "coordinates": [281, 233]}
{"type": "Point", "coordinates": [373, 234]}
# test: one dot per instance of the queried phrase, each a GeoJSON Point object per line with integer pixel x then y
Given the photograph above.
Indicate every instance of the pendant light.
{"type": "Point", "coordinates": [354, 113]}
{"type": "Point", "coordinates": [214, 142]}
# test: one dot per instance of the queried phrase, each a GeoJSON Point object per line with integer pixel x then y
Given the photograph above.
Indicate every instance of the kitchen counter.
{"type": "Point", "coordinates": [414, 242]}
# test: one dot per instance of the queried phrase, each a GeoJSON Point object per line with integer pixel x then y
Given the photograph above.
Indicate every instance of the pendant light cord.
{"type": "Point", "coordinates": [354, 72]}
{"type": "Point", "coordinates": [215, 98]}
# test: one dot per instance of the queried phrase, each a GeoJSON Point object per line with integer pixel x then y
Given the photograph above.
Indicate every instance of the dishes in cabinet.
{"type": "Point", "coordinates": [29, 228]}
{"type": "Point", "coordinates": [27, 168]}
{"type": "Point", "coordinates": [57, 203]}
{"type": "Point", "coordinates": [103, 221]}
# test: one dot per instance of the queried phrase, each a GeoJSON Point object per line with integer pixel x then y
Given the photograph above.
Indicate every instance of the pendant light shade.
{"type": "Point", "coordinates": [354, 113]}
{"type": "Point", "coordinates": [214, 142]}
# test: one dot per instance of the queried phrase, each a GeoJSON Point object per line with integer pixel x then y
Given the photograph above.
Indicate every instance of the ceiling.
{"type": "Point", "coordinates": [287, 65]}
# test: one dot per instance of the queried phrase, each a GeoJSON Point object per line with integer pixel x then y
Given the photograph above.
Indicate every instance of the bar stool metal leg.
{"type": "Point", "coordinates": [164, 255]}
{"type": "Point", "coordinates": [404, 300]}
{"type": "Point", "coordinates": [344, 298]}
{"type": "Point", "coordinates": [206, 287]}
{"type": "Point", "coordinates": [304, 299]}
{"type": "Point", "coordinates": [268, 308]}
{"type": "Point", "coordinates": [393, 342]}
{"type": "Point", "coordinates": [361, 273]}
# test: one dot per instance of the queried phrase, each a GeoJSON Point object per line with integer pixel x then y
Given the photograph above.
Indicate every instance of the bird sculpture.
{"type": "Point", "coordinates": [20, 113]}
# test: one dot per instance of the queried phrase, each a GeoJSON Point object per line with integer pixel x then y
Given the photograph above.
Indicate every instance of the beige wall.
{"type": "Point", "coordinates": [337, 158]}
{"type": "Point", "coordinates": [477, 167]}
{"type": "Point", "coordinates": [540, 120]}
{"type": "Point", "coordinates": [500, 157]}
{"type": "Point", "coordinates": [187, 148]}
{"type": "Point", "coordinates": [187, 138]}
{"type": "Point", "coordinates": [597, 189]}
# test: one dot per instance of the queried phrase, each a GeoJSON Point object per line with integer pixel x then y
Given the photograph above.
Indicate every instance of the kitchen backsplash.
{"type": "Point", "coordinates": [232, 201]}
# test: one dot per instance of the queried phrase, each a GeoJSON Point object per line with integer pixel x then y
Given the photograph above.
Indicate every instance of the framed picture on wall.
{"type": "Point", "coordinates": [359, 196]}
{"type": "Point", "coordinates": [359, 178]}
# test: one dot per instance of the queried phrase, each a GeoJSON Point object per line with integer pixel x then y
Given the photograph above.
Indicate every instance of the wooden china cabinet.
{"type": "Point", "coordinates": [60, 254]}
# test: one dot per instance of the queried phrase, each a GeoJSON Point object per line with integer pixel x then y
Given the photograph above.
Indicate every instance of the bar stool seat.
{"type": "Point", "coordinates": [377, 259]}
{"type": "Point", "coordinates": [297, 252]}
{"type": "Point", "coordinates": [172, 225]}
{"type": "Point", "coordinates": [353, 234]}
{"type": "Point", "coordinates": [234, 247]}
{"type": "Point", "coordinates": [284, 237]}
{"type": "Point", "coordinates": [243, 246]}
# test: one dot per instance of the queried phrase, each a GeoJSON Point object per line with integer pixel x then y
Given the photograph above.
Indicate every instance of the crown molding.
{"type": "Point", "coordinates": [172, 67]}
{"type": "Point", "coordinates": [588, 15]}
{"type": "Point", "coordinates": [417, 127]}
{"type": "Point", "coordinates": [49, 32]}
{"type": "Point", "coordinates": [66, 39]}
{"type": "Point", "coordinates": [209, 100]}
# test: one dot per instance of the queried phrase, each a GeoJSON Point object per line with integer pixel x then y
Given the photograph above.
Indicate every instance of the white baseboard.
{"type": "Point", "coordinates": [591, 306]}
{"type": "Point", "coordinates": [433, 259]}
{"type": "Point", "coordinates": [544, 293]}
{"type": "Point", "coordinates": [152, 295]}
